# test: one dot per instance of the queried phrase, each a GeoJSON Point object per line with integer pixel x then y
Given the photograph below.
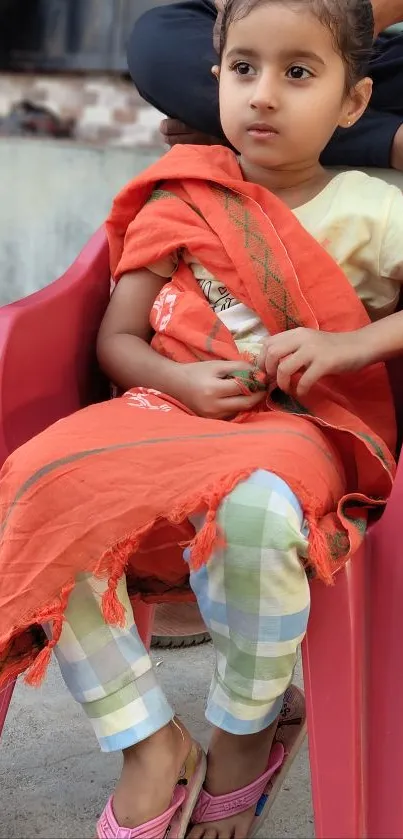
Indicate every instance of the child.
{"type": "Point", "coordinates": [243, 433]}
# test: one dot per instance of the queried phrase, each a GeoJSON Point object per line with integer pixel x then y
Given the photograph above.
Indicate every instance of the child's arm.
{"type": "Point", "coordinates": [123, 350]}
{"type": "Point", "coordinates": [125, 355]}
{"type": "Point", "coordinates": [384, 339]}
{"type": "Point", "coordinates": [317, 354]}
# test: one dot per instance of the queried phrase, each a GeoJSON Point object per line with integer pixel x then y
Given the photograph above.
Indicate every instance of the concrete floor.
{"type": "Point", "coordinates": [54, 781]}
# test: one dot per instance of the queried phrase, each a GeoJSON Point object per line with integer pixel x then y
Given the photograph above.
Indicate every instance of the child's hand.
{"type": "Point", "coordinates": [316, 354]}
{"type": "Point", "coordinates": [209, 389]}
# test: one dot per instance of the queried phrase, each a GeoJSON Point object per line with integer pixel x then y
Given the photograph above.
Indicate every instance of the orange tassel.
{"type": "Point", "coordinates": [112, 609]}
{"type": "Point", "coordinates": [319, 551]}
{"type": "Point", "coordinates": [37, 670]}
{"type": "Point", "coordinates": [203, 545]}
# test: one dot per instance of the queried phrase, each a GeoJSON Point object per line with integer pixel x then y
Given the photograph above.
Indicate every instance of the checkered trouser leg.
{"type": "Point", "coordinates": [108, 670]}
{"type": "Point", "coordinates": [254, 597]}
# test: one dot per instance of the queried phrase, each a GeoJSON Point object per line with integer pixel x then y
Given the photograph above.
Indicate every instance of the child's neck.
{"type": "Point", "coordinates": [294, 186]}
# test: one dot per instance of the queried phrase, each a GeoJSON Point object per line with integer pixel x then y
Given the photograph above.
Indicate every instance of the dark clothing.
{"type": "Point", "coordinates": [171, 54]}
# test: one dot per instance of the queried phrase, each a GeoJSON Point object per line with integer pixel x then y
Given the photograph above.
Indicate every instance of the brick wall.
{"type": "Point", "coordinates": [104, 109]}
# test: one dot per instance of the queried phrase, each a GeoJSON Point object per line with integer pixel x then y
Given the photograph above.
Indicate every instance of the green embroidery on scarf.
{"type": "Point", "coordinates": [359, 522]}
{"type": "Point", "coordinates": [160, 194]}
{"type": "Point", "coordinates": [252, 379]}
{"type": "Point", "coordinates": [288, 403]}
{"type": "Point", "coordinates": [255, 243]}
{"type": "Point", "coordinates": [374, 445]}
{"type": "Point", "coordinates": [339, 544]}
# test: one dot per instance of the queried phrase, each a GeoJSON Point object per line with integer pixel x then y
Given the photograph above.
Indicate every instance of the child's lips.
{"type": "Point", "coordinates": [261, 130]}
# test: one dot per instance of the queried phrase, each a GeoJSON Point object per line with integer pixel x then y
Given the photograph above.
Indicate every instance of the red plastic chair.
{"type": "Point", "coordinates": [352, 660]}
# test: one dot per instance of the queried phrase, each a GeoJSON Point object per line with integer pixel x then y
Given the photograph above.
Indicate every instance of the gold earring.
{"type": "Point", "coordinates": [349, 122]}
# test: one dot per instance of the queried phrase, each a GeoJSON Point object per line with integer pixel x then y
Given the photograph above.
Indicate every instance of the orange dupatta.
{"type": "Point", "coordinates": [133, 470]}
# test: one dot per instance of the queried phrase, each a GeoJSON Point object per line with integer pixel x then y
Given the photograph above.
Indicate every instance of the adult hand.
{"type": "Point", "coordinates": [174, 132]}
{"type": "Point", "coordinates": [313, 353]}
{"type": "Point", "coordinates": [220, 6]}
{"type": "Point", "coordinates": [386, 13]}
{"type": "Point", "coordinates": [209, 389]}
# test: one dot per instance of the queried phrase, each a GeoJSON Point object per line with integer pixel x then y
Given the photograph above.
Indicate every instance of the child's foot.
{"type": "Point", "coordinates": [151, 771]}
{"type": "Point", "coordinates": [233, 762]}
{"type": "Point", "coordinates": [242, 761]}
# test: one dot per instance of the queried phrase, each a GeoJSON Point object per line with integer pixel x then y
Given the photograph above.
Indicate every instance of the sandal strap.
{"type": "Point", "coordinates": [217, 807]}
{"type": "Point", "coordinates": [108, 828]}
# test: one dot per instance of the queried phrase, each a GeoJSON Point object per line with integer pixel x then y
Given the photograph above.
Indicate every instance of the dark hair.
{"type": "Point", "coordinates": [351, 23]}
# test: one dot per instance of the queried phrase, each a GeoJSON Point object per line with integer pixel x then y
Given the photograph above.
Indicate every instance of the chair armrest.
{"type": "Point", "coordinates": [47, 348]}
{"type": "Point", "coordinates": [390, 522]}
{"type": "Point", "coordinates": [393, 512]}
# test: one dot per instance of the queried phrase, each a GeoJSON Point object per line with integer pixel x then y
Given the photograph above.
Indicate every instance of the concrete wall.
{"type": "Point", "coordinates": [53, 196]}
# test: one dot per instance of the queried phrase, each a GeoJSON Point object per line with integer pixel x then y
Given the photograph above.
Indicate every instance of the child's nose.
{"type": "Point", "coordinates": [265, 93]}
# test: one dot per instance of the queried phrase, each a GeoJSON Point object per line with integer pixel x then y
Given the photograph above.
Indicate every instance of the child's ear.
{"type": "Point", "coordinates": [216, 71]}
{"type": "Point", "coordinates": [356, 103]}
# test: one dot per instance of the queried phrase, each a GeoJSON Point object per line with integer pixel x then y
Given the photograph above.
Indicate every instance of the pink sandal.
{"type": "Point", "coordinates": [212, 808]}
{"type": "Point", "coordinates": [290, 734]}
{"type": "Point", "coordinates": [174, 822]}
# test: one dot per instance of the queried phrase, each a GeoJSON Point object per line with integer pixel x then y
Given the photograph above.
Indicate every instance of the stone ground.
{"type": "Point", "coordinates": [54, 781]}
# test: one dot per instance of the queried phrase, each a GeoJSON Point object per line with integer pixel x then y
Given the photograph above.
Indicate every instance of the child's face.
{"type": "Point", "coordinates": [283, 88]}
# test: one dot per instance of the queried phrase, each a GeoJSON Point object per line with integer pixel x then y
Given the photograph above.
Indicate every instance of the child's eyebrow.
{"type": "Point", "coordinates": [308, 54]}
{"type": "Point", "coordinates": [286, 54]}
{"type": "Point", "coordinates": [248, 53]}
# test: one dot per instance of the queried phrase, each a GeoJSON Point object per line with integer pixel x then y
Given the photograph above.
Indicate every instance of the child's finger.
{"type": "Point", "coordinates": [235, 404]}
{"type": "Point", "coordinates": [273, 358]}
{"type": "Point", "coordinates": [288, 367]}
{"type": "Point", "coordinates": [261, 360]}
{"type": "Point", "coordinates": [225, 388]}
{"type": "Point", "coordinates": [229, 368]}
{"type": "Point", "coordinates": [227, 374]}
{"type": "Point", "coordinates": [283, 345]}
{"type": "Point", "coordinates": [310, 377]}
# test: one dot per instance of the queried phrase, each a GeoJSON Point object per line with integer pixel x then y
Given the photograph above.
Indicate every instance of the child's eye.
{"type": "Point", "coordinates": [242, 68]}
{"type": "Point", "coordinates": [297, 72]}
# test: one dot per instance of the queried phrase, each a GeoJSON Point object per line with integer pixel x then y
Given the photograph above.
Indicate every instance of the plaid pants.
{"type": "Point", "coordinates": [254, 597]}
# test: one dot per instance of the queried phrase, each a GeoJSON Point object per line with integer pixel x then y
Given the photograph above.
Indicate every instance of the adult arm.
{"type": "Point", "coordinates": [375, 140]}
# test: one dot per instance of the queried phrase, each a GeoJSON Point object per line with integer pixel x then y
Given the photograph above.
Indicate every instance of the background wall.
{"type": "Point", "coordinates": [54, 194]}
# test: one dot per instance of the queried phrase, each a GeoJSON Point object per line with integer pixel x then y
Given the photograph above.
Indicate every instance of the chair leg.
{"type": "Point", "coordinates": [334, 675]}
{"type": "Point", "coordinates": [5, 699]}
{"type": "Point", "coordinates": [144, 618]}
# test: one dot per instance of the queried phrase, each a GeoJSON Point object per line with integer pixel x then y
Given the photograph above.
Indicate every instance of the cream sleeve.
{"type": "Point", "coordinates": [165, 267]}
{"type": "Point", "coordinates": [391, 250]}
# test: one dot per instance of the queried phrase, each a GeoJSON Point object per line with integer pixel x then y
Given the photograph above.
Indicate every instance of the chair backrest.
{"type": "Point", "coordinates": [48, 366]}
